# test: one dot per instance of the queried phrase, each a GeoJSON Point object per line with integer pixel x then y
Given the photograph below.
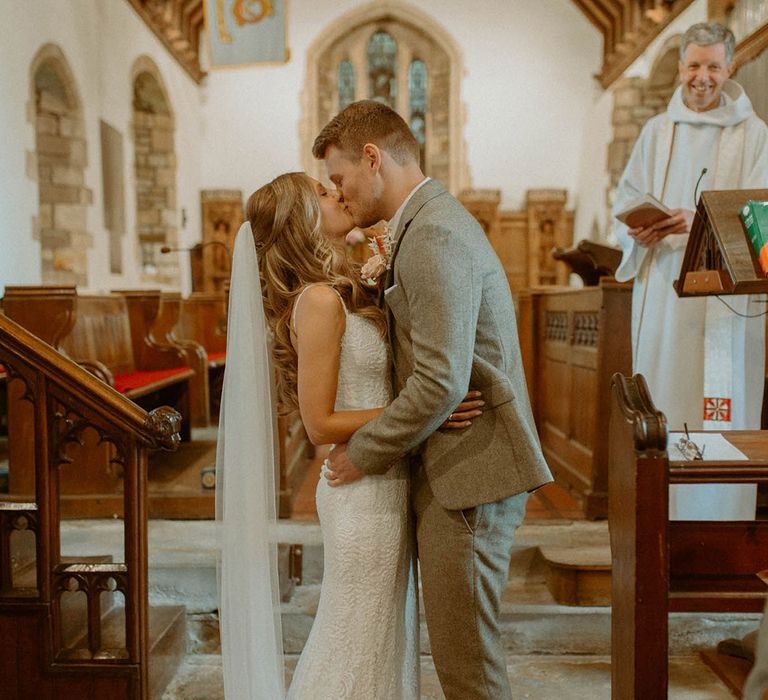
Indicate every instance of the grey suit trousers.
{"type": "Point", "coordinates": [464, 561]}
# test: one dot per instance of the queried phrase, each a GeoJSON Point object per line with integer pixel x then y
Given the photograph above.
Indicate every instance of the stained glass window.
{"type": "Point", "coordinates": [346, 84]}
{"type": "Point", "coordinates": [417, 96]}
{"type": "Point", "coordinates": [382, 68]}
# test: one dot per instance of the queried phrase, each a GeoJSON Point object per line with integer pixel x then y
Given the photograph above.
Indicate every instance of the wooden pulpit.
{"type": "Point", "coordinates": [589, 260]}
{"type": "Point", "coordinates": [719, 258]}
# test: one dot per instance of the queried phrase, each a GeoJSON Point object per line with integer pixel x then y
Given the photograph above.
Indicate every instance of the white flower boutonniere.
{"type": "Point", "coordinates": [382, 244]}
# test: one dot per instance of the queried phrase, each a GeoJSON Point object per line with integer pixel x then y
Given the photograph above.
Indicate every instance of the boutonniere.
{"type": "Point", "coordinates": [382, 245]}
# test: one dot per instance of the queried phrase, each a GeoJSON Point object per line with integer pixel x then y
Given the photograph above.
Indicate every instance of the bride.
{"type": "Point", "coordinates": [328, 344]}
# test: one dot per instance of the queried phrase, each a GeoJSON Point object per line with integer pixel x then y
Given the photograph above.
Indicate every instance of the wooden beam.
{"type": "Point", "coordinates": [162, 19]}
{"type": "Point", "coordinates": [593, 13]}
{"type": "Point", "coordinates": [717, 10]}
{"type": "Point", "coordinates": [751, 47]}
{"type": "Point", "coordinates": [617, 63]}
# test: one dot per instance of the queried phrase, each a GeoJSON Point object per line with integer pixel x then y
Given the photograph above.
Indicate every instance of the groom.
{"type": "Point", "coordinates": [452, 326]}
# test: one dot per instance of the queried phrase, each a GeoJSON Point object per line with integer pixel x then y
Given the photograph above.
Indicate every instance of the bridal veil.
{"type": "Point", "coordinates": [246, 511]}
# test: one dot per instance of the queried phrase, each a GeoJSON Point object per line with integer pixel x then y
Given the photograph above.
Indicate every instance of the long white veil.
{"type": "Point", "coordinates": [246, 510]}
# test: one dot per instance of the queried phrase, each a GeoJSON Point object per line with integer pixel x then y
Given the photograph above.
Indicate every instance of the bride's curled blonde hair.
{"type": "Point", "coordinates": [294, 252]}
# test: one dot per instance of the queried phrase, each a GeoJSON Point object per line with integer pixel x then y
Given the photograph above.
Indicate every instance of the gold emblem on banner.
{"type": "Point", "coordinates": [251, 11]}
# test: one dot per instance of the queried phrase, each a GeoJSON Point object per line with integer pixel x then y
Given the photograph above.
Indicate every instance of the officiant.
{"type": "Point", "coordinates": [704, 362]}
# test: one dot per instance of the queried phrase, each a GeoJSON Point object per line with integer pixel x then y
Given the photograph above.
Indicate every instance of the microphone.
{"type": "Point", "coordinates": [198, 247]}
{"type": "Point", "coordinates": [696, 189]}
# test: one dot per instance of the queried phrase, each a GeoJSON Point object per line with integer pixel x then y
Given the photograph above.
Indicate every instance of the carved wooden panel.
{"type": "Point", "coordinates": [548, 228]}
{"type": "Point", "coordinates": [524, 240]}
{"type": "Point", "coordinates": [222, 215]}
{"type": "Point", "coordinates": [572, 341]}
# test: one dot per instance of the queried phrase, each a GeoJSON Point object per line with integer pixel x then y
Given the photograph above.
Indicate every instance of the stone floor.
{"type": "Point", "coordinates": [554, 651]}
{"type": "Point", "coordinates": [535, 677]}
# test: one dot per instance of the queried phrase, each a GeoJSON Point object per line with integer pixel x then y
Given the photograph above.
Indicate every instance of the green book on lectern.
{"type": "Point", "coordinates": [754, 214]}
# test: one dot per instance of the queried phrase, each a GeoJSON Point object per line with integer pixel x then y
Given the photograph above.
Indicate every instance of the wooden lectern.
{"type": "Point", "coordinates": [590, 261]}
{"type": "Point", "coordinates": [719, 258]}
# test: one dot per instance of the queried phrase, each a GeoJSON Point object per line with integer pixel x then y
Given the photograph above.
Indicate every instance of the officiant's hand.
{"type": "Point", "coordinates": [340, 470]}
{"type": "Point", "coordinates": [679, 222]}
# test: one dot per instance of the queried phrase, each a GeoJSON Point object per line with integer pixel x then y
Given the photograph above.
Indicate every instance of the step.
{"type": "Point", "coordinates": [731, 670]}
{"type": "Point", "coordinates": [74, 612]}
{"type": "Point", "coordinates": [532, 622]}
{"type": "Point", "coordinates": [167, 642]}
{"type": "Point", "coordinates": [182, 558]}
{"type": "Point", "coordinates": [578, 575]}
{"type": "Point", "coordinates": [535, 677]}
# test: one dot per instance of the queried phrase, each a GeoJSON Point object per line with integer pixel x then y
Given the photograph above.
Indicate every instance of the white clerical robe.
{"type": "Point", "coordinates": [668, 333]}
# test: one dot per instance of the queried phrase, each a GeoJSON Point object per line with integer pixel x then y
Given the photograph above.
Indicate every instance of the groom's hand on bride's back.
{"type": "Point", "coordinates": [340, 469]}
{"type": "Point", "coordinates": [471, 407]}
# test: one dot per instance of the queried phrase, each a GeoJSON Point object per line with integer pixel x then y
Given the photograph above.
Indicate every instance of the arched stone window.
{"type": "Point", "coordinates": [390, 51]}
{"type": "Point", "coordinates": [382, 68]}
{"type": "Point", "coordinates": [417, 96]}
{"type": "Point", "coordinates": [155, 174]}
{"type": "Point", "coordinates": [346, 82]}
{"type": "Point", "coordinates": [61, 157]}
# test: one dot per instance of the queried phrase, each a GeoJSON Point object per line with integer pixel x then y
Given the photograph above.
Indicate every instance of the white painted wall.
{"type": "Point", "coordinates": [528, 90]}
{"type": "Point", "coordinates": [535, 116]}
{"type": "Point", "coordinates": [593, 181]}
{"type": "Point", "coordinates": [101, 39]}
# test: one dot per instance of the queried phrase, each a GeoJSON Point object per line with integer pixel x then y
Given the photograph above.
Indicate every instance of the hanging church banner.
{"type": "Point", "coordinates": [244, 32]}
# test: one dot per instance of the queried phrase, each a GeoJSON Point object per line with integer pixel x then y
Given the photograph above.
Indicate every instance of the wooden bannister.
{"type": "Point", "coordinates": [67, 401]}
{"type": "Point", "coordinates": [628, 27]}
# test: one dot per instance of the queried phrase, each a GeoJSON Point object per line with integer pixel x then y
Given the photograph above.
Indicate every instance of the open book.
{"type": "Point", "coordinates": [643, 212]}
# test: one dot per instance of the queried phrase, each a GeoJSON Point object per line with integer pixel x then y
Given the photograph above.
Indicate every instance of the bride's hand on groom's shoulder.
{"type": "Point", "coordinates": [471, 407]}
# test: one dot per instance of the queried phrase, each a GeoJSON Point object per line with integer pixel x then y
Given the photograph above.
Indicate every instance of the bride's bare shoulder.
{"type": "Point", "coordinates": [318, 303]}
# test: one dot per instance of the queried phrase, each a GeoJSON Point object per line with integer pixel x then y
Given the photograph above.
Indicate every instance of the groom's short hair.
{"type": "Point", "coordinates": [368, 121]}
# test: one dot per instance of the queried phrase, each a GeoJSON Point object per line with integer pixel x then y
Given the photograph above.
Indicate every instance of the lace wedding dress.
{"type": "Point", "coordinates": [364, 641]}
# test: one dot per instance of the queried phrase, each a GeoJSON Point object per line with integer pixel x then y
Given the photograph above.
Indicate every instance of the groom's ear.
{"type": "Point", "coordinates": [372, 156]}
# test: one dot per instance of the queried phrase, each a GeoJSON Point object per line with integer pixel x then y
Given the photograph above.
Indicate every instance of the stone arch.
{"type": "Point", "coordinates": [55, 110]}
{"type": "Point", "coordinates": [423, 38]}
{"type": "Point", "coordinates": [154, 173]}
{"type": "Point", "coordinates": [664, 75]}
{"type": "Point", "coordinates": [637, 99]}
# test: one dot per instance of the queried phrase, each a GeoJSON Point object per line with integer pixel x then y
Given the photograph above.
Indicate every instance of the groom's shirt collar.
{"type": "Point", "coordinates": [394, 222]}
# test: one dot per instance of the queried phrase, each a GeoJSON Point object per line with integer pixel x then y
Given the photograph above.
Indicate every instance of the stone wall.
{"type": "Point", "coordinates": [636, 100]}
{"type": "Point", "coordinates": [60, 157]}
{"type": "Point", "coordinates": [634, 104]}
{"type": "Point", "coordinates": [155, 182]}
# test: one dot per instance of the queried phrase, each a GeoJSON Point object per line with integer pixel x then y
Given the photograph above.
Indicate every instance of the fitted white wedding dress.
{"type": "Point", "coordinates": [364, 641]}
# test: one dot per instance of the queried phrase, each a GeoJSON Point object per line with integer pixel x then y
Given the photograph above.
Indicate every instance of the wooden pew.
{"type": "Point", "coordinates": [661, 566]}
{"type": "Point", "coordinates": [203, 319]}
{"type": "Point", "coordinates": [48, 312]}
{"type": "Point", "coordinates": [154, 316]}
{"type": "Point", "coordinates": [295, 453]}
{"type": "Point", "coordinates": [110, 337]}
{"type": "Point", "coordinates": [97, 331]}
{"type": "Point", "coordinates": [572, 342]}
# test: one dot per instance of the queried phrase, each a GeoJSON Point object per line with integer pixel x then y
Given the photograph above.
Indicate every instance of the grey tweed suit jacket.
{"type": "Point", "coordinates": [452, 327]}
